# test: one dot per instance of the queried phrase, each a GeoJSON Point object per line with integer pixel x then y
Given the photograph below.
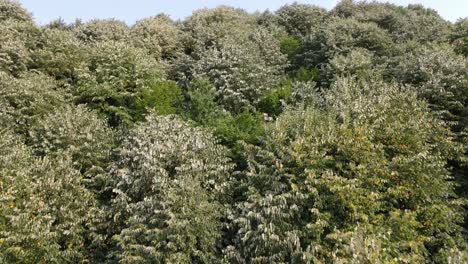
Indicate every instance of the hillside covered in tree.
{"type": "Point", "coordinates": [302, 135]}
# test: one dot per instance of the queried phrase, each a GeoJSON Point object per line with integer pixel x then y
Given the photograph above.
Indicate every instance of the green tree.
{"type": "Point", "coordinates": [164, 97]}
{"type": "Point", "coordinates": [440, 77]}
{"type": "Point", "coordinates": [373, 160]}
{"type": "Point", "coordinates": [241, 68]}
{"type": "Point", "coordinates": [459, 36]}
{"type": "Point", "coordinates": [205, 27]}
{"type": "Point", "coordinates": [411, 23]}
{"type": "Point", "coordinates": [357, 62]}
{"type": "Point", "coordinates": [44, 207]}
{"type": "Point", "coordinates": [229, 128]}
{"type": "Point", "coordinates": [113, 78]}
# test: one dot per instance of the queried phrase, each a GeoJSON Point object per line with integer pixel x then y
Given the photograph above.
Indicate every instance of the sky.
{"type": "Point", "coordinates": [131, 11]}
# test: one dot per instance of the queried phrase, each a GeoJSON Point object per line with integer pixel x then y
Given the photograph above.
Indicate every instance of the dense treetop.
{"type": "Point", "coordinates": [302, 135]}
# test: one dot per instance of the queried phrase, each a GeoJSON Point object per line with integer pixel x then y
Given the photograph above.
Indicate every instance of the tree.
{"type": "Point", "coordinates": [44, 207]}
{"type": "Point", "coordinates": [17, 40]}
{"type": "Point", "coordinates": [242, 68]}
{"type": "Point", "coordinates": [158, 34]}
{"type": "Point", "coordinates": [411, 23]}
{"type": "Point", "coordinates": [168, 183]}
{"type": "Point", "coordinates": [164, 97]}
{"type": "Point", "coordinates": [59, 56]}
{"type": "Point", "coordinates": [27, 99]}
{"type": "Point", "coordinates": [459, 36]}
{"type": "Point", "coordinates": [101, 31]}
{"type": "Point", "coordinates": [357, 62]}
{"type": "Point", "coordinates": [76, 133]}
{"type": "Point", "coordinates": [340, 36]}
{"type": "Point", "coordinates": [207, 26]}
{"type": "Point", "coordinates": [299, 19]}
{"type": "Point", "coordinates": [14, 11]}
{"type": "Point", "coordinates": [112, 79]}
{"type": "Point", "coordinates": [440, 77]}
{"type": "Point", "coordinates": [373, 160]}
{"type": "Point", "coordinates": [439, 74]}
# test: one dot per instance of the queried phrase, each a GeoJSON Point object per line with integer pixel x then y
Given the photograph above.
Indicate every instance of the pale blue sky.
{"type": "Point", "coordinates": [132, 10]}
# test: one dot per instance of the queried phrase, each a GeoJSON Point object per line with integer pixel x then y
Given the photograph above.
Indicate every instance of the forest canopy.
{"type": "Point", "coordinates": [300, 135]}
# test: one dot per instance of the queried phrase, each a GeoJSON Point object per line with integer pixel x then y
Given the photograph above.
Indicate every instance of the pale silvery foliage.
{"type": "Point", "coordinates": [413, 22]}
{"type": "Point", "coordinates": [303, 93]}
{"type": "Point", "coordinates": [28, 98]}
{"type": "Point", "coordinates": [167, 181]}
{"type": "Point", "coordinates": [206, 26]}
{"type": "Point", "coordinates": [158, 34]}
{"type": "Point", "coordinates": [371, 157]}
{"type": "Point", "coordinates": [242, 68]}
{"type": "Point", "coordinates": [114, 74]}
{"type": "Point", "coordinates": [340, 36]}
{"type": "Point", "coordinates": [102, 30]}
{"type": "Point", "coordinates": [13, 10]}
{"type": "Point", "coordinates": [43, 207]}
{"type": "Point", "coordinates": [59, 55]}
{"type": "Point", "coordinates": [16, 40]}
{"type": "Point", "coordinates": [5, 118]}
{"type": "Point", "coordinates": [267, 222]}
{"type": "Point", "coordinates": [440, 76]}
{"type": "Point", "coordinates": [356, 62]}
{"type": "Point", "coordinates": [120, 65]}
{"type": "Point", "coordinates": [243, 60]}
{"type": "Point", "coordinates": [459, 36]}
{"type": "Point", "coordinates": [73, 132]}
{"type": "Point", "coordinates": [300, 19]}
